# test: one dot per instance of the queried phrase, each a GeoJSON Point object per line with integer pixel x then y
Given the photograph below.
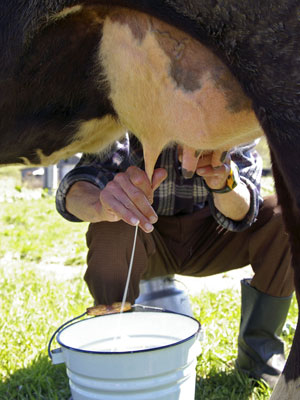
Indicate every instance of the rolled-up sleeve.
{"type": "Point", "coordinates": [97, 169]}
{"type": "Point", "coordinates": [249, 164]}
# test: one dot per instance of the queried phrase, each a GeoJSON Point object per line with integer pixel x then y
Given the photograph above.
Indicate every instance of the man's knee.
{"type": "Point", "coordinates": [107, 232]}
{"type": "Point", "coordinates": [270, 214]}
{"type": "Point", "coordinates": [110, 247]}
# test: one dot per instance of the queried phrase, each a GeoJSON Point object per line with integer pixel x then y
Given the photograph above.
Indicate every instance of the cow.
{"type": "Point", "coordinates": [207, 74]}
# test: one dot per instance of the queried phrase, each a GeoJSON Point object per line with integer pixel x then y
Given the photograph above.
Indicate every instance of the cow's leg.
{"type": "Point", "coordinates": [288, 386]}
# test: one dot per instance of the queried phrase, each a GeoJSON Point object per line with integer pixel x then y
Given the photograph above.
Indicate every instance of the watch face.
{"type": "Point", "coordinates": [231, 182]}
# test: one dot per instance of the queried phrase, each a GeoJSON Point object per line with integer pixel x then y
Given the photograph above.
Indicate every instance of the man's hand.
{"type": "Point", "coordinates": [127, 197]}
{"type": "Point", "coordinates": [214, 167]}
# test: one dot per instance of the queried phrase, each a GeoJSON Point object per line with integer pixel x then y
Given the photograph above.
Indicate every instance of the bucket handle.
{"type": "Point", "coordinates": [56, 355]}
{"type": "Point", "coordinates": [56, 352]}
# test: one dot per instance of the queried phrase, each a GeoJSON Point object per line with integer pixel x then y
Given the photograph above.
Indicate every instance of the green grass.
{"type": "Point", "coordinates": [32, 307]}
{"type": "Point", "coordinates": [263, 150]}
{"type": "Point", "coordinates": [32, 230]}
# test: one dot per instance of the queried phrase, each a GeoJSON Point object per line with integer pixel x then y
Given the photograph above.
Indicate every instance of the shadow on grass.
{"type": "Point", "coordinates": [231, 385]}
{"type": "Point", "coordinates": [39, 381]}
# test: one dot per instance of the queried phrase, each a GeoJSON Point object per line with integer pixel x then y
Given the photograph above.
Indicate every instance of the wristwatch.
{"type": "Point", "coordinates": [232, 180]}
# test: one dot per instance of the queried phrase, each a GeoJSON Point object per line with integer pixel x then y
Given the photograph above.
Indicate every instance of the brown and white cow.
{"type": "Point", "coordinates": [208, 74]}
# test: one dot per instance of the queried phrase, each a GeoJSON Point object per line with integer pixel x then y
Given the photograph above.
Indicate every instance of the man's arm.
{"type": "Point", "coordinates": [242, 203]}
{"type": "Point", "coordinates": [235, 204]}
{"type": "Point", "coordinates": [82, 201]}
{"type": "Point", "coordinates": [215, 169]}
{"type": "Point", "coordinates": [96, 169]}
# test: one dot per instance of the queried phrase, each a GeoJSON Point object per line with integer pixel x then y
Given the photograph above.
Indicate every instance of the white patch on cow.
{"type": "Point", "coordinates": [66, 12]}
{"type": "Point", "coordinates": [92, 136]}
{"type": "Point", "coordinates": [151, 103]}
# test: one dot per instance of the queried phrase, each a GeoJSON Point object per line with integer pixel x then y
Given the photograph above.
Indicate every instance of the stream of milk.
{"type": "Point", "coordinates": [121, 339]}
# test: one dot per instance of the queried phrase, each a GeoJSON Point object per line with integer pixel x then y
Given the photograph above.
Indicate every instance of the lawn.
{"type": "Point", "coordinates": [36, 245]}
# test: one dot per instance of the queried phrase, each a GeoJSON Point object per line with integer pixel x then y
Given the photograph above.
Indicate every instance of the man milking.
{"type": "Point", "coordinates": [190, 224]}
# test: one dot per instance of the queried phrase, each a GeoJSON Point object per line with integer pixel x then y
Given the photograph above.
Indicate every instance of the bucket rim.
{"type": "Point", "coordinates": [148, 309]}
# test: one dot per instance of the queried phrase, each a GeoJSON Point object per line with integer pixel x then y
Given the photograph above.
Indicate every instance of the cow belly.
{"type": "Point", "coordinates": [91, 137]}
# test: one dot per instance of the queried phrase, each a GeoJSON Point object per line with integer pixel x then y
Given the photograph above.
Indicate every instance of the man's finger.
{"type": "Point", "coordinates": [140, 179]}
{"type": "Point", "coordinates": [210, 171]}
{"type": "Point", "coordinates": [135, 198]}
{"type": "Point", "coordinates": [121, 205]}
{"type": "Point", "coordinates": [220, 157]}
{"type": "Point", "coordinates": [159, 176]}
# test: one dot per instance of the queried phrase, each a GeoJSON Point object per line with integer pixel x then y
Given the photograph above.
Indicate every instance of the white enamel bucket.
{"type": "Point", "coordinates": [157, 360]}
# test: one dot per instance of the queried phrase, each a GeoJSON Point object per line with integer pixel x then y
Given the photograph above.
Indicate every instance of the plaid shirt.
{"type": "Point", "coordinates": [175, 195]}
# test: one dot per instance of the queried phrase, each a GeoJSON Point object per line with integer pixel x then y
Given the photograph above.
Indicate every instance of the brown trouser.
{"type": "Point", "coordinates": [193, 245]}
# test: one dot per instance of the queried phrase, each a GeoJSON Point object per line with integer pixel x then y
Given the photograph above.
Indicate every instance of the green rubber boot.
{"type": "Point", "coordinates": [260, 350]}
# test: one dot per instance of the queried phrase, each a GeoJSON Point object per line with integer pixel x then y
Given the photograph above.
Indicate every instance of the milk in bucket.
{"type": "Point", "coordinates": [154, 359]}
